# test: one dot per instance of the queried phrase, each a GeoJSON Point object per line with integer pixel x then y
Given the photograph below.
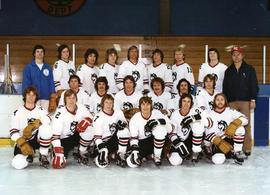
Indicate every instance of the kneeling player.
{"type": "Point", "coordinates": [148, 129]}
{"type": "Point", "coordinates": [110, 133]}
{"type": "Point", "coordinates": [190, 123]}
{"type": "Point", "coordinates": [227, 128]}
{"type": "Point", "coordinates": [72, 125]}
{"type": "Point", "coordinates": [30, 130]}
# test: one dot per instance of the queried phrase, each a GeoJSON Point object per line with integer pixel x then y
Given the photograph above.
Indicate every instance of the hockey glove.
{"type": "Point", "coordinates": [180, 148]}
{"type": "Point", "coordinates": [27, 132]}
{"type": "Point", "coordinates": [134, 159]}
{"type": "Point", "coordinates": [224, 146]}
{"type": "Point", "coordinates": [59, 160]}
{"type": "Point", "coordinates": [120, 125]}
{"type": "Point", "coordinates": [102, 160]}
{"type": "Point", "coordinates": [59, 92]}
{"type": "Point", "coordinates": [52, 103]}
{"type": "Point", "coordinates": [230, 130]}
{"type": "Point", "coordinates": [149, 126]}
{"type": "Point", "coordinates": [82, 126]}
{"type": "Point", "coordinates": [25, 147]}
{"type": "Point", "coordinates": [190, 119]}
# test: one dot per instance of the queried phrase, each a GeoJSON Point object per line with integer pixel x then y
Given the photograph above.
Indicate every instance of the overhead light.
{"type": "Point", "coordinates": [117, 47]}
{"type": "Point", "coordinates": [182, 46]}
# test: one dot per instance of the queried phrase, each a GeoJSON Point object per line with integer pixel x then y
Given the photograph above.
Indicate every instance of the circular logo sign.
{"type": "Point", "coordinates": [59, 8]}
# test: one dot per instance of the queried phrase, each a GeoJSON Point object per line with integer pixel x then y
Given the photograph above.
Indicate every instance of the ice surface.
{"type": "Point", "coordinates": [205, 178]}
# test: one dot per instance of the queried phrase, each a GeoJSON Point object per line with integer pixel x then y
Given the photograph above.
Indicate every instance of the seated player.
{"type": "Point", "coordinates": [148, 129]}
{"type": "Point", "coordinates": [110, 133]}
{"type": "Point", "coordinates": [189, 123]}
{"type": "Point", "coordinates": [159, 97]}
{"type": "Point", "coordinates": [72, 125]}
{"type": "Point", "coordinates": [30, 129]}
{"type": "Point", "coordinates": [74, 83]}
{"type": "Point", "coordinates": [206, 95]}
{"type": "Point", "coordinates": [227, 129]}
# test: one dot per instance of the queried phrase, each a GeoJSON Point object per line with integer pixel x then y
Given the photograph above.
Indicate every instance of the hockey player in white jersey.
{"type": "Point", "coordinates": [89, 71]}
{"type": "Point", "coordinates": [160, 69]}
{"type": "Point", "coordinates": [214, 67]}
{"type": "Point", "coordinates": [111, 133]}
{"type": "Point", "coordinates": [110, 70]}
{"type": "Point", "coordinates": [72, 126]}
{"type": "Point", "coordinates": [190, 123]}
{"type": "Point", "coordinates": [128, 97]}
{"type": "Point", "coordinates": [205, 96]}
{"type": "Point", "coordinates": [83, 97]}
{"type": "Point", "coordinates": [228, 128]}
{"type": "Point", "coordinates": [181, 70]}
{"type": "Point", "coordinates": [135, 68]}
{"type": "Point", "coordinates": [63, 69]}
{"type": "Point", "coordinates": [160, 98]}
{"type": "Point", "coordinates": [149, 129]}
{"type": "Point", "coordinates": [101, 88]}
{"type": "Point", "coordinates": [31, 130]}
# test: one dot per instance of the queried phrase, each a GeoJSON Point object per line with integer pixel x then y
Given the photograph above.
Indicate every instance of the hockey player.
{"type": "Point", "coordinates": [205, 96]}
{"type": "Point", "coordinates": [181, 70]}
{"type": "Point", "coordinates": [72, 125]}
{"type": "Point", "coordinates": [214, 67]}
{"type": "Point", "coordinates": [101, 87]}
{"type": "Point", "coordinates": [63, 69]}
{"type": "Point", "coordinates": [40, 75]}
{"type": "Point", "coordinates": [133, 67]}
{"type": "Point", "coordinates": [189, 123]}
{"type": "Point", "coordinates": [148, 129]}
{"type": "Point", "coordinates": [159, 97]}
{"type": "Point", "coordinates": [128, 97]}
{"type": "Point", "coordinates": [110, 133]}
{"type": "Point", "coordinates": [30, 129]}
{"type": "Point", "coordinates": [228, 128]}
{"type": "Point", "coordinates": [110, 70]}
{"type": "Point", "coordinates": [160, 69]}
{"type": "Point", "coordinates": [83, 97]}
{"type": "Point", "coordinates": [89, 71]}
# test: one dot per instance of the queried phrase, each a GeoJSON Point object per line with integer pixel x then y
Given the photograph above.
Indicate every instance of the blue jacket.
{"type": "Point", "coordinates": [41, 79]}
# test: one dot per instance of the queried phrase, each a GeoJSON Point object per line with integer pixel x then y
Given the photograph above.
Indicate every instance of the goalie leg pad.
{"type": "Point", "coordinates": [230, 130]}
{"type": "Point", "coordinates": [19, 161]}
{"type": "Point", "coordinates": [223, 145]}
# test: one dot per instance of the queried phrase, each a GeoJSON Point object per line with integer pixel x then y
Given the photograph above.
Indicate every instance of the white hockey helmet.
{"type": "Point", "coordinates": [19, 161]}
{"type": "Point", "coordinates": [218, 158]}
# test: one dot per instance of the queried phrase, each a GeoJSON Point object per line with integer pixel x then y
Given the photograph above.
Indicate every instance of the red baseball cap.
{"type": "Point", "coordinates": [236, 48]}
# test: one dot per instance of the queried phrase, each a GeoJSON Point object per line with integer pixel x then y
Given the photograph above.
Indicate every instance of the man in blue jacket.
{"type": "Point", "coordinates": [39, 74]}
{"type": "Point", "coordinates": [240, 85]}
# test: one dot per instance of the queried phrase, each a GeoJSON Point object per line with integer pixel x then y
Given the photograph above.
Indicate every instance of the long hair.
{"type": "Point", "coordinates": [224, 96]}
{"type": "Point", "coordinates": [181, 81]}
{"type": "Point", "coordinates": [91, 51]}
{"type": "Point", "coordinates": [69, 93]}
{"type": "Point", "coordinates": [215, 50]}
{"type": "Point", "coordinates": [211, 78]}
{"type": "Point", "coordinates": [183, 97]}
{"type": "Point", "coordinates": [106, 97]}
{"type": "Point", "coordinates": [160, 53]}
{"type": "Point", "coordinates": [60, 49]}
{"type": "Point", "coordinates": [145, 99]}
{"type": "Point", "coordinates": [102, 80]}
{"type": "Point", "coordinates": [28, 90]}
{"type": "Point", "coordinates": [129, 49]}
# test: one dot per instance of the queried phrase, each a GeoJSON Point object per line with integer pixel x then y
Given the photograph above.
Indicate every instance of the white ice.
{"type": "Point", "coordinates": [253, 177]}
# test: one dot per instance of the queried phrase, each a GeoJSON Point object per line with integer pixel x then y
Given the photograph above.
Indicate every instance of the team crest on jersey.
{"type": "Point", "coordinates": [112, 128]}
{"type": "Point", "coordinates": [136, 75]}
{"type": "Point", "coordinates": [94, 77]}
{"type": "Point", "coordinates": [127, 105]}
{"type": "Point", "coordinates": [71, 72]}
{"type": "Point", "coordinates": [186, 130]}
{"type": "Point", "coordinates": [59, 8]}
{"type": "Point", "coordinates": [158, 106]}
{"type": "Point", "coordinates": [152, 76]}
{"type": "Point", "coordinates": [215, 76]}
{"type": "Point", "coordinates": [115, 76]}
{"type": "Point", "coordinates": [174, 76]}
{"type": "Point", "coordinates": [30, 120]}
{"type": "Point", "coordinates": [222, 125]}
{"type": "Point", "coordinates": [46, 72]}
{"type": "Point", "coordinates": [98, 107]}
{"type": "Point", "coordinates": [73, 126]}
{"type": "Point", "coordinates": [211, 105]}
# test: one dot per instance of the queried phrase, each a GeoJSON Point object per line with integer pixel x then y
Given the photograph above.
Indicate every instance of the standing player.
{"type": "Point", "coordinates": [30, 129]}
{"type": "Point", "coordinates": [89, 71]}
{"type": "Point", "coordinates": [189, 123]}
{"type": "Point", "coordinates": [160, 69]}
{"type": "Point", "coordinates": [72, 125]}
{"type": "Point", "coordinates": [110, 133]}
{"type": "Point", "coordinates": [40, 75]}
{"type": "Point", "coordinates": [214, 67]}
{"type": "Point", "coordinates": [181, 70]}
{"type": "Point", "coordinates": [135, 68]}
{"type": "Point", "coordinates": [110, 70]}
{"type": "Point", "coordinates": [206, 95]}
{"type": "Point", "coordinates": [101, 87]}
{"type": "Point", "coordinates": [127, 98]}
{"type": "Point", "coordinates": [83, 97]}
{"type": "Point", "coordinates": [63, 69]}
{"type": "Point", "coordinates": [228, 125]}
{"type": "Point", "coordinates": [148, 129]}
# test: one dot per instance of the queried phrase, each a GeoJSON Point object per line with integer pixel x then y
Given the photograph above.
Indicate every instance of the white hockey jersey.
{"type": "Point", "coordinates": [88, 77]}
{"type": "Point", "coordinates": [61, 73]}
{"type": "Point", "coordinates": [125, 102]}
{"type": "Point", "coordinates": [111, 73]}
{"type": "Point", "coordinates": [161, 102]}
{"type": "Point", "coordinates": [179, 72]}
{"type": "Point", "coordinates": [23, 117]}
{"type": "Point", "coordinates": [163, 71]}
{"type": "Point", "coordinates": [217, 71]}
{"type": "Point", "coordinates": [205, 99]}
{"type": "Point", "coordinates": [138, 71]}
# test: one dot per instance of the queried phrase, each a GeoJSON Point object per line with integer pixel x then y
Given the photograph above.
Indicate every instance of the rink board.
{"type": "Point", "coordinates": [259, 119]}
